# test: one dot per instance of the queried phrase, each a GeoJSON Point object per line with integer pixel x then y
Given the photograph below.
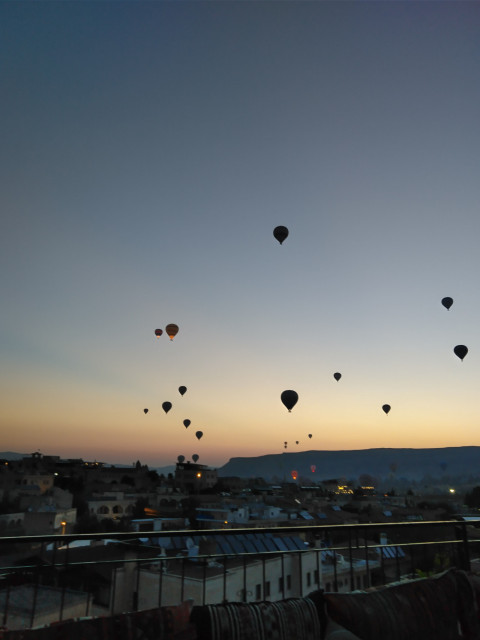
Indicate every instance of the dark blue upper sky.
{"type": "Point", "coordinates": [148, 151]}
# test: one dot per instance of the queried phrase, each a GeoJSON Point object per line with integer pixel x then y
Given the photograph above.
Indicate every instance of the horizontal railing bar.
{"type": "Point", "coordinates": [253, 554]}
{"type": "Point", "coordinates": [235, 531]}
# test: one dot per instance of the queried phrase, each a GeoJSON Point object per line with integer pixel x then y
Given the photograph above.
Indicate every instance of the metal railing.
{"type": "Point", "coordinates": [53, 577]}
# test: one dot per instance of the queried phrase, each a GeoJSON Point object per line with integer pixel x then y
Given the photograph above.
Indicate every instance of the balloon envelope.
{"type": "Point", "coordinates": [386, 408]}
{"type": "Point", "coordinates": [296, 441]}
{"type": "Point", "coordinates": [195, 457]}
{"type": "Point", "coordinates": [289, 398]}
{"type": "Point", "coordinates": [181, 459]}
{"type": "Point", "coordinates": [172, 330]}
{"type": "Point", "coordinates": [187, 423]}
{"type": "Point", "coordinates": [337, 376]}
{"type": "Point", "coordinates": [199, 434]}
{"type": "Point", "coordinates": [145, 411]}
{"type": "Point", "coordinates": [182, 390]}
{"type": "Point", "coordinates": [280, 233]}
{"type": "Point", "coordinates": [460, 350]}
{"type": "Point", "coordinates": [158, 332]}
{"type": "Point", "coordinates": [294, 475]}
{"type": "Point", "coordinates": [312, 468]}
{"type": "Point", "coordinates": [447, 302]}
{"type": "Point", "coordinates": [309, 435]}
{"type": "Point", "coordinates": [166, 406]}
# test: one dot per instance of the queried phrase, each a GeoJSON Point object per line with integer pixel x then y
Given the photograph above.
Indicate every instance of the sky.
{"type": "Point", "coordinates": [149, 149]}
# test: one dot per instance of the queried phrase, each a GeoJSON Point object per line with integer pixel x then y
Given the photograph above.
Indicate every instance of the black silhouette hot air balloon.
{"type": "Point", "coordinates": [182, 390]}
{"type": "Point", "coordinates": [460, 350]}
{"type": "Point", "coordinates": [172, 330]}
{"type": "Point", "coordinates": [187, 423]}
{"type": "Point", "coordinates": [296, 441]}
{"type": "Point", "coordinates": [447, 302]}
{"type": "Point", "coordinates": [181, 459]}
{"type": "Point", "coordinates": [280, 233]}
{"type": "Point", "coordinates": [337, 376]}
{"type": "Point", "coordinates": [289, 398]}
{"type": "Point", "coordinates": [166, 406]}
{"type": "Point", "coordinates": [145, 411]}
{"type": "Point", "coordinates": [386, 408]}
{"type": "Point", "coordinates": [309, 435]}
{"type": "Point", "coordinates": [195, 457]}
{"type": "Point", "coordinates": [158, 332]}
{"type": "Point", "coordinates": [312, 468]}
{"type": "Point", "coordinates": [199, 434]}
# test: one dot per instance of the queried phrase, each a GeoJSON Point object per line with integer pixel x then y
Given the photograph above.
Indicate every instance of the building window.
{"type": "Point", "coordinates": [309, 579]}
{"type": "Point", "coordinates": [327, 587]}
{"type": "Point", "coordinates": [267, 589]}
{"type": "Point", "coordinates": [280, 584]}
{"type": "Point", "coordinates": [359, 582]}
{"type": "Point", "coordinates": [289, 582]}
{"type": "Point", "coordinates": [315, 576]}
{"type": "Point", "coordinates": [258, 592]}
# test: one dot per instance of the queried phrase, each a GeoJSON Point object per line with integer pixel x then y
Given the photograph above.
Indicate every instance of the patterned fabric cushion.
{"type": "Point", "coordinates": [165, 623]}
{"type": "Point", "coordinates": [292, 619]}
{"type": "Point", "coordinates": [427, 608]}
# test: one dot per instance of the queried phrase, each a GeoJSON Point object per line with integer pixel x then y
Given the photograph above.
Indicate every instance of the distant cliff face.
{"type": "Point", "coordinates": [412, 464]}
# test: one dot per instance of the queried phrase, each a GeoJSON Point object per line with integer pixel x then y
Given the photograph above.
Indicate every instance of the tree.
{"type": "Point", "coordinates": [472, 498]}
{"type": "Point", "coordinates": [139, 508]}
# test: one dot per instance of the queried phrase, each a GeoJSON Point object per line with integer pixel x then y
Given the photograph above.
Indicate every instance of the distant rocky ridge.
{"type": "Point", "coordinates": [411, 464]}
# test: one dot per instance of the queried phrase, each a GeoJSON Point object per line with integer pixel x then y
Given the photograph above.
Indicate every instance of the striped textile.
{"type": "Point", "coordinates": [291, 619]}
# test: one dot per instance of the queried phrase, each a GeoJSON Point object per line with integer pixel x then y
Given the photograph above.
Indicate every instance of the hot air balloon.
{"type": "Point", "coordinates": [166, 406]}
{"type": "Point", "coordinates": [145, 411]}
{"type": "Point", "coordinates": [280, 233]}
{"type": "Point", "coordinates": [181, 459]}
{"type": "Point", "coordinates": [199, 434]}
{"type": "Point", "coordinates": [294, 475]}
{"type": "Point", "coordinates": [182, 390]}
{"type": "Point", "coordinates": [312, 468]}
{"type": "Point", "coordinates": [461, 351]}
{"type": "Point", "coordinates": [296, 441]}
{"type": "Point", "coordinates": [187, 423]}
{"type": "Point", "coordinates": [158, 332]}
{"type": "Point", "coordinates": [309, 435]}
{"type": "Point", "coordinates": [289, 399]}
{"type": "Point", "coordinates": [447, 302]}
{"type": "Point", "coordinates": [386, 408]}
{"type": "Point", "coordinates": [195, 457]}
{"type": "Point", "coordinates": [337, 376]}
{"type": "Point", "coordinates": [172, 330]}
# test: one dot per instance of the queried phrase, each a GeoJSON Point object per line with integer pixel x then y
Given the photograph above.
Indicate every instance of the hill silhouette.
{"type": "Point", "coordinates": [412, 464]}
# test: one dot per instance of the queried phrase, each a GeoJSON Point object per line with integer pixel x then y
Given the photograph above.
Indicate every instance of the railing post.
{"type": "Point", "coordinates": [350, 558]}
{"type": "Point", "coordinates": [225, 578]}
{"type": "Point", "coordinates": [204, 586]}
{"type": "Point", "coordinates": [335, 576]}
{"type": "Point", "coordinates": [244, 579]}
{"type": "Point", "coordinates": [366, 559]}
{"type": "Point", "coordinates": [160, 583]}
{"type": "Point", "coordinates": [464, 553]}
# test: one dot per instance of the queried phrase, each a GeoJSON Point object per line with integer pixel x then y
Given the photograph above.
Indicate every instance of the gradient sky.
{"type": "Point", "coordinates": [148, 149]}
